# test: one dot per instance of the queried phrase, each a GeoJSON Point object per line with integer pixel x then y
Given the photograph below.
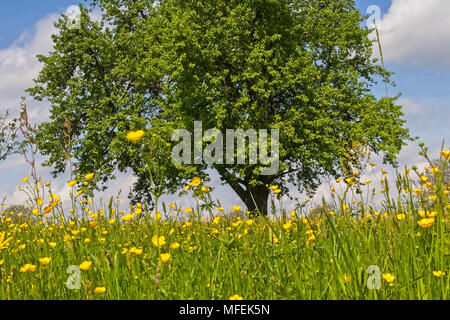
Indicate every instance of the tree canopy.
{"type": "Point", "coordinates": [304, 67]}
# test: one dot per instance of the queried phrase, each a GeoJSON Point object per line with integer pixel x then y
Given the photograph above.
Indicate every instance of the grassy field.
{"type": "Point", "coordinates": [352, 247]}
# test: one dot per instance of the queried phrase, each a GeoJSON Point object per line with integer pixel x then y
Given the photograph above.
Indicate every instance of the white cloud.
{"type": "Point", "coordinates": [417, 32]}
{"type": "Point", "coordinates": [19, 66]}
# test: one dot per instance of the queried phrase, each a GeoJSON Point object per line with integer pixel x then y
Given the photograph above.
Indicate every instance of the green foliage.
{"type": "Point", "coordinates": [303, 67]}
{"type": "Point", "coordinates": [8, 135]}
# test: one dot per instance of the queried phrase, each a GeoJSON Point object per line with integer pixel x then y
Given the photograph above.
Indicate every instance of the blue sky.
{"type": "Point", "coordinates": [416, 45]}
{"type": "Point", "coordinates": [17, 16]}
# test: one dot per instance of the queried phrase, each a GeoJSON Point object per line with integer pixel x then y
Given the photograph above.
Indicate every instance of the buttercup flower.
{"type": "Point", "coordinates": [389, 278]}
{"type": "Point", "coordinates": [165, 257]}
{"type": "Point", "coordinates": [45, 261]}
{"type": "Point", "coordinates": [175, 245]}
{"type": "Point", "coordinates": [99, 290]}
{"type": "Point", "coordinates": [85, 265]}
{"type": "Point", "coordinates": [196, 181]}
{"type": "Point", "coordinates": [158, 241]}
{"type": "Point", "coordinates": [4, 243]}
{"type": "Point", "coordinates": [28, 268]}
{"type": "Point", "coordinates": [89, 176]}
{"type": "Point", "coordinates": [438, 274]}
{"type": "Point", "coordinates": [72, 183]}
{"type": "Point", "coordinates": [135, 135]}
{"type": "Point", "coordinates": [426, 222]}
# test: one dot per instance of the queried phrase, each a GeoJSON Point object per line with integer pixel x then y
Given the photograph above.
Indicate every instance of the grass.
{"type": "Point", "coordinates": [322, 252]}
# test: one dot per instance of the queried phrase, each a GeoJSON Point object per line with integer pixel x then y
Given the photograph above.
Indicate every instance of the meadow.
{"type": "Point", "coordinates": [350, 247]}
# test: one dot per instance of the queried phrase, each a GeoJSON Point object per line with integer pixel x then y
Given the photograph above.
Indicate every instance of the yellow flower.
{"type": "Point", "coordinates": [384, 171]}
{"type": "Point", "coordinates": [417, 191]}
{"type": "Point", "coordinates": [438, 274]}
{"type": "Point", "coordinates": [287, 225]}
{"type": "Point", "coordinates": [216, 219]}
{"type": "Point", "coordinates": [277, 191]}
{"type": "Point", "coordinates": [237, 208]}
{"type": "Point", "coordinates": [445, 154]}
{"type": "Point", "coordinates": [273, 188]}
{"type": "Point", "coordinates": [158, 241]}
{"type": "Point", "coordinates": [4, 243]}
{"type": "Point", "coordinates": [426, 222]}
{"type": "Point", "coordinates": [431, 214]}
{"type": "Point", "coordinates": [368, 181]}
{"type": "Point", "coordinates": [196, 181]}
{"type": "Point", "coordinates": [220, 208]}
{"type": "Point", "coordinates": [158, 216]}
{"type": "Point", "coordinates": [175, 245]}
{"type": "Point", "coordinates": [26, 179]}
{"type": "Point", "coordinates": [347, 278]}
{"type": "Point", "coordinates": [45, 261]}
{"type": "Point", "coordinates": [372, 164]}
{"type": "Point", "coordinates": [100, 290]}
{"type": "Point", "coordinates": [72, 183]}
{"type": "Point", "coordinates": [2, 261]}
{"type": "Point", "coordinates": [165, 257]}
{"type": "Point", "coordinates": [85, 265]}
{"type": "Point", "coordinates": [389, 278]}
{"type": "Point", "coordinates": [311, 239]}
{"type": "Point", "coordinates": [89, 176]}
{"type": "Point", "coordinates": [127, 217]}
{"type": "Point", "coordinates": [28, 268]}
{"type": "Point", "coordinates": [135, 135]}
{"type": "Point", "coordinates": [187, 224]}
{"type": "Point", "coordinates": [401, 216]}
{"type": "Point", "coordinates": [274, 239]}
{"type": "Point", "coordinates": [236, 297]}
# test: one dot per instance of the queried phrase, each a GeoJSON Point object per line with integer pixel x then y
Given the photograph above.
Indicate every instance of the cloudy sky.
{"type": "Point", "coordinates": [416, 46]}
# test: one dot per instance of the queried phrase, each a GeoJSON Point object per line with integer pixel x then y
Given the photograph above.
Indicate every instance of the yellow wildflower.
{"type": "Point", "coordinates": [85, 265]}
{"type": "Point", "coordinates": [28, 268]}
{"type": "Point", "coordinates": [45, 261]}
{"type": "Point", "coordinates": [135, 135]}
{"type": "Point", "coordinates": [165, 257]}
{"type": "Point", "coordinates": [158, 241]}
{"type": "Point", "coordinates": [426, 222]}
{"type": "Point", "coordinates": [99, 290]}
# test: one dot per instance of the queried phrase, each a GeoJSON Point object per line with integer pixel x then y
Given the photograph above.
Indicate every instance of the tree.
{"type": "Point", "coordinates": [8, 135]}
{"type": "Point", "coordinates": [303, 67]}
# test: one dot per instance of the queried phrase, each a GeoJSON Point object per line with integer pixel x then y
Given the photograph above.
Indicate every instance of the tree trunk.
{"type": "Point", "coordinates": [256, 200]}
